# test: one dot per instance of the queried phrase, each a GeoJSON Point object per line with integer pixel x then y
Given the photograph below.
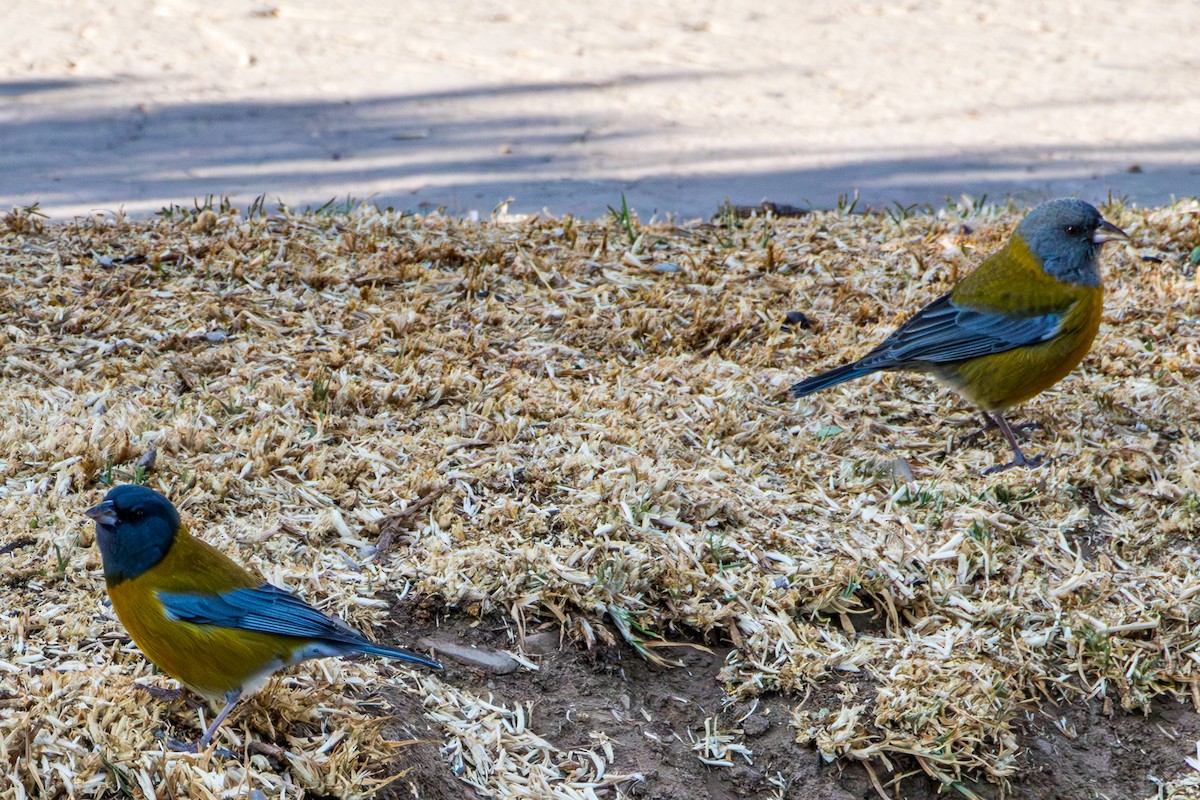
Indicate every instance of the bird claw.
{"type": "Point", "coordinates": [165, 695]}
{"type": "Point", "coordinates": [160, 693]}
{"type": "Point", "coordinates": [1035, 461]}
{"type": "Point", "coordinates": [995, 420]}
{"type": "Point", "coordinates": [990, 424]}
{"type": "Point", "coordinates": [179, 746]}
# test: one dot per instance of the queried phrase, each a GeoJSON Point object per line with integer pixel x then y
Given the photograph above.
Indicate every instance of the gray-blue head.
{"type": "Point", "coordinates": [135, 527]}
{"type": "Point", "coordinates": [1065, 234]}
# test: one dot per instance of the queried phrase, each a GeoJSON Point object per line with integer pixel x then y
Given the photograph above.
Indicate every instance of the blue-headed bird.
{"type": "Point", "coordinates": [200, 617]}
{"type": "Point", "coordinates": [1013, 327]}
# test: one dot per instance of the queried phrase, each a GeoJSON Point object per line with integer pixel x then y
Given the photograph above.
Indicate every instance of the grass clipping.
{"type": "Point", "coordinates": [595, 415]}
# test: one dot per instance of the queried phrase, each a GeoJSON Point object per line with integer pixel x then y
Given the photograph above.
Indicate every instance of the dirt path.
{"type": "Point", "coordinates": [566, 105]}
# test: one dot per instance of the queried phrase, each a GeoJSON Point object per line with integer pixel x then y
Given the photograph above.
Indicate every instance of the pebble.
{"type": "Point", "coordinates": [799, 319]}
{"type": "Point", "coordinates": [493, 661]}
{"type": "Point", "coordinates": [755, 725]}
{"type": "Point", "coordinates": [541, 643]}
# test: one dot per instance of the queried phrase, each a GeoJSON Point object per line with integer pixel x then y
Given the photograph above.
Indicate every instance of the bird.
{"type": "Point", "coordinates": [1011, 328]}
{"type": "Point", "coordinates": [199, 616]}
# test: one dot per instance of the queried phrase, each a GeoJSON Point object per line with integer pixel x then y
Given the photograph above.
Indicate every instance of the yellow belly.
{"type": "Point", "coordinates": [1002, 380]}
{"type": "Point", "coordinates": [207, 658]}
{"type": "Point", "coordinates": [210, 659]}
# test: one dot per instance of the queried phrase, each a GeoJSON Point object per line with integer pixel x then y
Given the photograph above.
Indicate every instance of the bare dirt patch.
{"type": "Point", "coordinates": [653, 717]}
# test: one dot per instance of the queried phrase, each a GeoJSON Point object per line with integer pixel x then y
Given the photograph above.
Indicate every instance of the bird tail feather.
{"type": "Point", "coordinates": [396, 653]}
{"type": "Point", "coordinates": [816, 383]}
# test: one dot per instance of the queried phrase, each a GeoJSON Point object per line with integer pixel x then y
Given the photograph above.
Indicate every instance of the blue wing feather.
{"type": "Point", "coordinates": [271, 610]}
{"type": "Point", "coordinates": [944, 333]}
{"type": "Point", "coordinates": [265, 609]}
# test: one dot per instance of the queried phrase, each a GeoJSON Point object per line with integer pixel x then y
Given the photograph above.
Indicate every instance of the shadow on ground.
{"type": "Point", "coordinates": [73, 147]}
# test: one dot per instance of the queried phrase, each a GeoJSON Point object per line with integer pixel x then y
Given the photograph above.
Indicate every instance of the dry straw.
{"type": "Point", "coordinates": [592, 421]}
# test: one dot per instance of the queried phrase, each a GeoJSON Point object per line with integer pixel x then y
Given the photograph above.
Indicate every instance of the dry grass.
{"type": "Point", "coordinates": [601, 432]}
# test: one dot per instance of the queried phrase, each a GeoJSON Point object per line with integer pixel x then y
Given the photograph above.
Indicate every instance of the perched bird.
{"type": "Point", "coordinates": [1012, 328]}
{"type": "Point", "coordinates": [199, 616]}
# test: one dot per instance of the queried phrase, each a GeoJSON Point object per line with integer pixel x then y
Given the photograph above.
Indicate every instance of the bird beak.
{"type": "Point", "coordinates": [1107, 232]}
{"type": "Point", "coordinates": [104, 514]}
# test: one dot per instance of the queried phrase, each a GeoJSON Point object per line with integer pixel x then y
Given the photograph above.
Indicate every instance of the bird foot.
{"type": "Point", "coordinates": [161, 693]}
{"type": "Point", "coordinates": [1026, 427]}
{"type": "Point", "coordinates": [179, 746]}
{"type": "Point", "coordinates": [1035, 461]}
{"type": "Point", "coordinates": [969, 440]}
{"type": "Point", "coordinates": [989, 424]}
{"type": "Point", "coordinates": [165, 695]}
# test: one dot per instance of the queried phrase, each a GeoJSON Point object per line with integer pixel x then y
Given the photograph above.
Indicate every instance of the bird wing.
{"type": "Point", "coordinates": [264, 609]}
{"type": "Point", "coordinates": [944, 332]}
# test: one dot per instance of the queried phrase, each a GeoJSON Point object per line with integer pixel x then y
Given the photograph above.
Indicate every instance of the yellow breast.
{"type": "Point", "coordinates": [210, 659]}
{"type": "Point", "coordinates": [1012, 282]}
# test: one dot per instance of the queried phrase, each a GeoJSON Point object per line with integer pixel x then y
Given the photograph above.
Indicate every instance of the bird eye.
{"type": "Point", "coordinates": [1073, 230]}
{"type": "Point", "coordinates": [137, 513]}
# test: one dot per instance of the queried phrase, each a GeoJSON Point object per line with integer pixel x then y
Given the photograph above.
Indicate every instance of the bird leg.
{"type": "Point", "coordinates": [973, 437]}
{"type": "Point", "coordinates": [161, 693]}
{"type": "Point", "coordinates": [1019, 459]}
{"type": "Point", "coordinates": [989, 423]}
{"type": "Point", "coordinates": [231, 698]}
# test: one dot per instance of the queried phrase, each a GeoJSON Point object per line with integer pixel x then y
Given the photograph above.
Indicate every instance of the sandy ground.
{"type": "Point", "coordinates": [565, 105]}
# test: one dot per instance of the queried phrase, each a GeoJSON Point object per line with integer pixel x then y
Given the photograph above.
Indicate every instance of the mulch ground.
{"type": "Point", "coordinates": [494, 432]}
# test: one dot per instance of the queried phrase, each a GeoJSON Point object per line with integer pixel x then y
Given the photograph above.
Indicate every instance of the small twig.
{"type": "Point", "coordinates": [875, 781]}
{"type": "Point", "coordinates": [271, 751]}
{"type": "Point", "coordinates": [394, 523]}
{"type": "Point", "coordinates": [462, 444]}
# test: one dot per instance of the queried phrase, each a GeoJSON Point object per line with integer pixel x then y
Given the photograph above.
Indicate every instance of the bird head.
{"type": "Point", "coordinates": [135, 527]}
{"type": "Point", "coordinates": [1065, 235]}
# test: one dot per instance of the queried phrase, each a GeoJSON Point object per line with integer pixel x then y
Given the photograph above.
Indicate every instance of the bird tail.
{"type": "Point", "coordinates": [834, 376]}
{"type": "Point", "coordinates": [395, 652]}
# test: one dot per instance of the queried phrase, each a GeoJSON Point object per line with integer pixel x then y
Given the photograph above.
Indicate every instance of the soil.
{"type": "Point", "coordinates": [652, 716]}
